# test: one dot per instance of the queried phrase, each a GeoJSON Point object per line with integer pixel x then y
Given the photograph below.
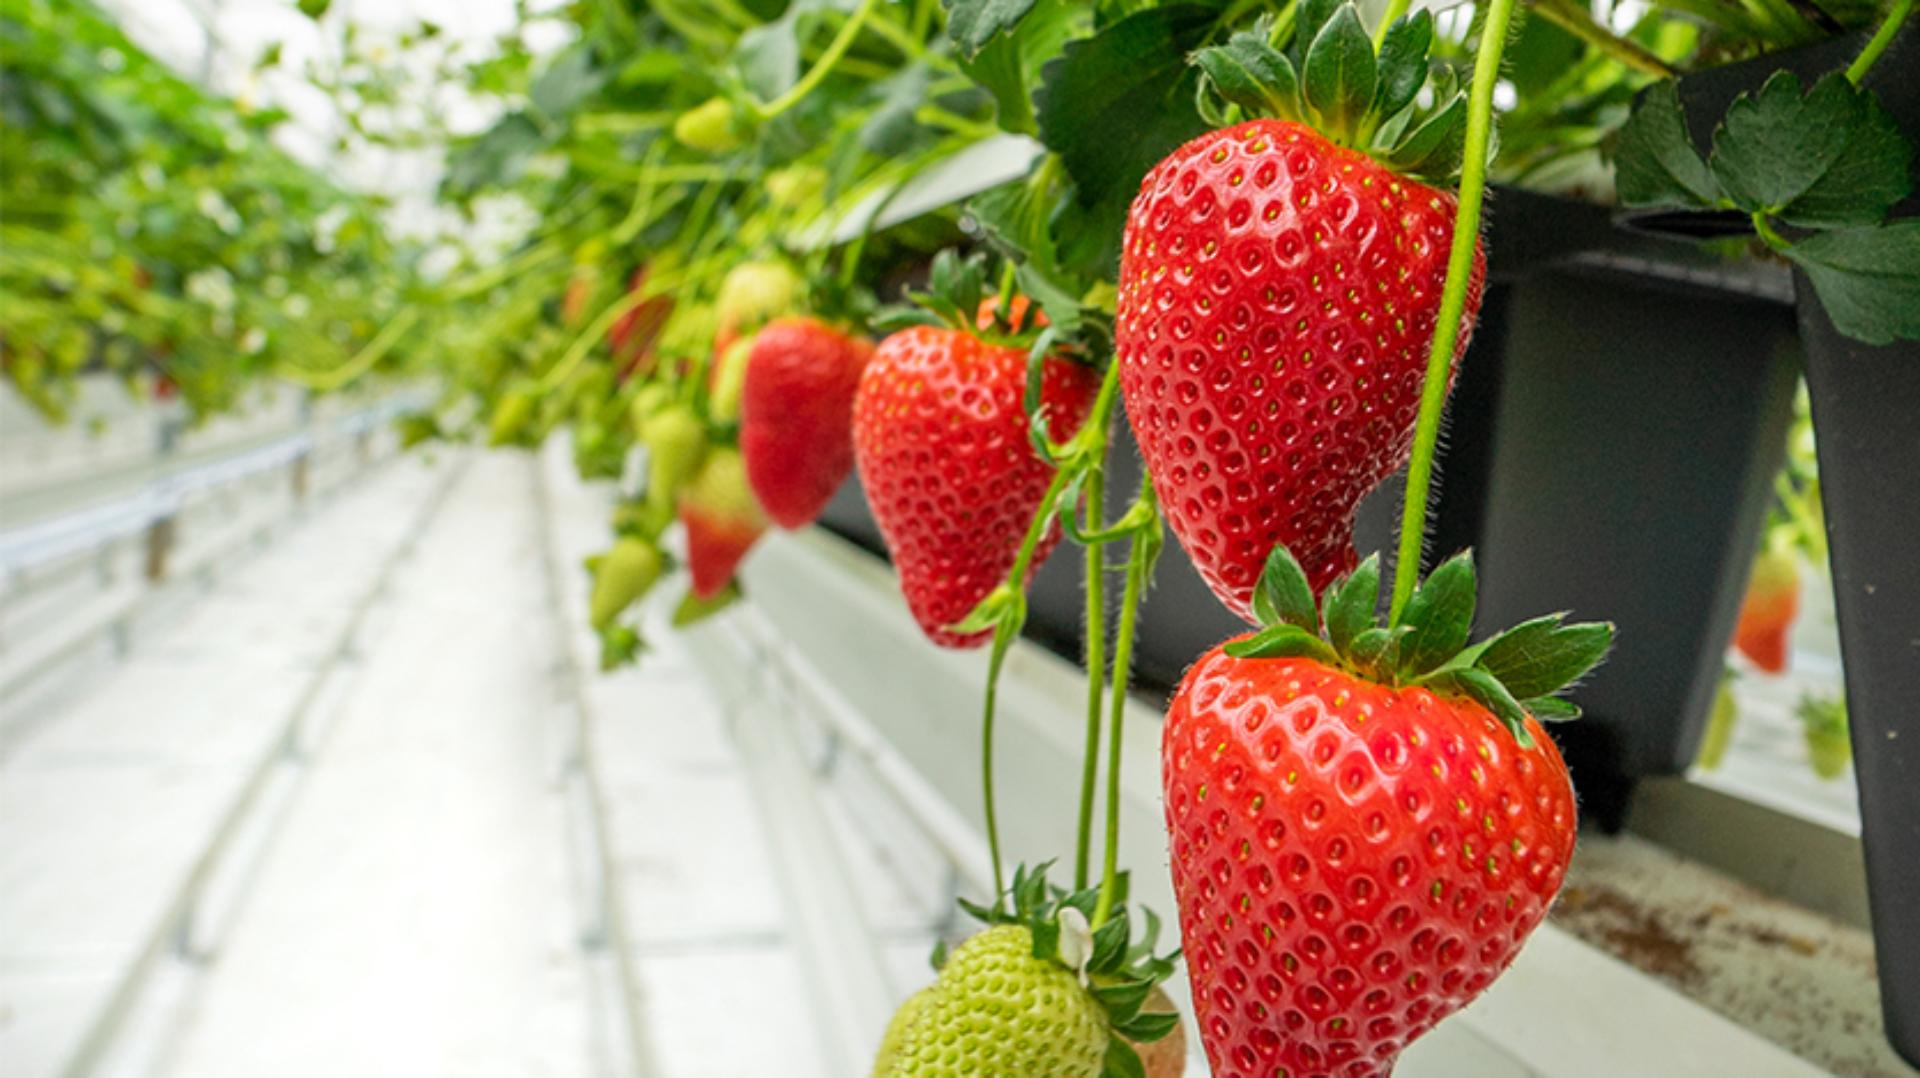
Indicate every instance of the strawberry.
{"type": "Point", "coordinates": [750, 294]}
{"type": "Point", "coordinates": [999, 1010]}
{"type": "Point", "coordinates": [1278, 289]}
{"type": "Point", "coordinates": [895, 1037]}
{"type": "Point", "coordinates": [723, 521]}
{"type": "Point", "coordinates": [620, 576]}
{"type": "Point", "coordinates": [1823, 721]}
{"type": "Point", "coordinates": [796, 415]}
{"type": "Point", "coordinates": [633, 335]}
{"type": "Point", "coordinates": [1767, 612]}
{"type": "Point", "coordinates": [726, 378]}
{"type": "Point", "coordinates": [941, 439]}
{"type": "Point", "coordinates": [710, 127]}
{"type": "Point", "coordinates": [1721, 721]}
{"type": "Point", "coordinates": [676, 442]}
{"type": "Point", "coordinates": [1365, 824]}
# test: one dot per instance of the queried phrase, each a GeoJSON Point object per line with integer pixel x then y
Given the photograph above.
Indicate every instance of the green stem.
{"type": "Point", "coordinates": [1767, 233]}
{"type": "Point", "coordinates": [822, 67]}
{"type": "Point", "coordinates": [1453, 304]}
{"type": "Point", "coordinates": [1890, 26]}
{"type": "Point", "coordinates": [1096, 594]}
{"type": "Point", "coordinates": [1006, 628]}
{"type": "Point", "coordinates": [1143, 551]}
{"type": "Point", "coordinates": [362, 362]}
{"type": "Point", "coordinates": [1576, 20]}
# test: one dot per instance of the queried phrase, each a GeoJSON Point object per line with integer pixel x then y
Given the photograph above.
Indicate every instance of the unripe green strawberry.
{"type": "Point", "coordinates": [1824, 721]}
{"type": "Point", "coordinates": [510, 416]}
{"type": "Point", "coordinates": [709, 127]}
{"type": "Point", "coordinates": [752, 294]}
{"type": "Point", "coordinates": [796, 185]}
{"type": "Point", "coordinates": [693, 609]}
{"type": "Point", "coordinates": [722, 519]}
{"type": "Point", "coordinates": [1720, 723]}
{"type": "Point", "coordinates": [897, 1030]}
{"type": "Point", "coordinates": [998, 1010]}
{"type": "Point", "coordinates": [729, 377]}
{"type": "Point", "coordinates": [622, 575]}
{"type": "Point", "coordinates": [649, 401]}
{"type": "Point", "coordinates": [676, 440]}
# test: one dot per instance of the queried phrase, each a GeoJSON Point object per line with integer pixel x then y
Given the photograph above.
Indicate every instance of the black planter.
{"type": "Point", "coordinates": [1866, 413]}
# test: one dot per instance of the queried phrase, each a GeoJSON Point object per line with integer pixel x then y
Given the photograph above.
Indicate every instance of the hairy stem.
{"type": "Point", "coordinates": [1453, 303]}
{"type": "Point", "coordinates": [1096, 594]}
{"type": "Point", "coordinates": [1143, 550]}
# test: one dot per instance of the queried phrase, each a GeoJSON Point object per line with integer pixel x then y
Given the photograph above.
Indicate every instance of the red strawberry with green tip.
{"type": "Point", "coordinates": [1366, 822]}
{"type": "Point", "coordinates": [1767, 611]}
{"type": "Point", "coordinates": [722, 519]}
{"type": "Point", "coordinates": [796, 415]}
{"type": "Point", "coordinates": [1279, 285]}
{"type": "Point", "coordinates": [953, 479]}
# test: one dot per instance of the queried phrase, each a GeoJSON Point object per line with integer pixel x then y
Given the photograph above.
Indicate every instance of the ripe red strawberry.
{"type": "Point", "coordinates": [633, 335]}
{"type": "Point", "coordinates": [1279, 285]}
{"type": "Point", "coordinates": [723, 521]}
{"type": "Point", "coordinates": [1277, 300]}
{"type": "Point", "coordinates": [1365, 826]}
{"type": "Point", "coordinates": [796, 416]}
{"type": "Point", "coordinates": [941, 439]}
{"type": "Point", "coordinates": [1767, 612]}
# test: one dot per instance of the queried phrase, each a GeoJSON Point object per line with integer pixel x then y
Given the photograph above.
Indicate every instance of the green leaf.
{"type": "Point", "coordinates": [1283, 594]}
{"type": "Point", "coordinates": [1113, 104]}
{"type": "Point", "coordinates": [1655, 163]}
{"type": "Point", "coordinates": [1353, 604]}
{"type": "Point", "coordinates": [1282, 641]}
{"type": "Point", "coordinates": [565, 83]}
{"type": "Point", "coordinates": [1830, 158]}
{"type": "Point", "coordinates": [315, 9]}
{"type": "Point", "coordinates": [1147, 1027]}
{"type": "Point", "coordinates": [1439, 617]}
{"type": "Point", "coordinates": [1339, 76]}
{"type": "Point", "coordinates": [1373, 649]}
{"type": "Point", "coordinates": [1551, 709]}
{"type": "Point", "coordinates": [1434, 149]}
{"type": "Point", "coordinates": [1248, 72]}
{"type": "Point", "coordinates": [1486, 690]}
{"type": "Point", "coordinates": [1122, 1061]}
{"type": "Point", "coordinates": [972, 23]}
{"type": "Point", "coordinates": [1403, 62]}
{"type": "Point", "coordinates": [1313, 14]}
{"type": "Point", "coordinates": [1122, 1000]}
{"type": "Point", "coordinates": [768, 56]}
{"type": "Point", "coordinates": [1868, 279]}
{"type": "Point", "coordinates": [1109, 945]}
{"type": "Point", "coordinates": [939, 956]}
{"type": "Point", "coordinates": [1542, 656]}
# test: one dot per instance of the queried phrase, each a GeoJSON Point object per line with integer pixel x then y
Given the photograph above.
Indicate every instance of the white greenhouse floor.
{"type": "Point", "coordinates": [422, 836]}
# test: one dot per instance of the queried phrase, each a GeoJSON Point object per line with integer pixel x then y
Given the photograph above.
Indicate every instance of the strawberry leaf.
{"type": "Point", "coordinates": [1551, 709]}
{"type": "Point", "coordinates": [1282, 641]}
{"type": "Point", "coordinates": [1248, 72]}
{"type": "Point", "coordinates": [1149, 1027]}
{"type": "Point", "coordinates": [1352, 604]}
{"type": "Point", "coordinates": [1374, 650]}
{"type": "Point", "coordinates": [1485, 689]}
{"type": "Point", "coordinates": [972, 23]}
{"type": "Point", "coordinates": [1109, 945]}
{"type": "Point", "coordinates": [1655, 163]}
{"type": "Point", "coordinates": [1541, 657]}
{"type": "Point", "coordinates": [1830, 158]}
{"type": "Point", "coordinates": [1340, 74]}
{"type": "Point", "coordinates": [1313, 14]}
{"type": "Point", "coordinates": [1122, 1061]}
{"type": "Point", "coordinates": [1439, 617]}
{"type": "Point", "coordinates": [1403, 62]}
{"type": "Point", "coordinates": [1868, 279]}
{"type": "Point", "coordinates": [1122, 1001]}
{"type": "Point", "coordinates": [1283, 594]}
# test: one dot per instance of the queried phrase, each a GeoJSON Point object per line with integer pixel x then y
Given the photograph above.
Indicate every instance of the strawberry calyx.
{"type": "Point", "coordinates": [1513, 674]}
{"type": "Point", "coordinates": [1332, 78]}
{"type": "Point", "coordinates": [957, 297]}
{"type": "Point", "coordinates": [1119, 972]}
